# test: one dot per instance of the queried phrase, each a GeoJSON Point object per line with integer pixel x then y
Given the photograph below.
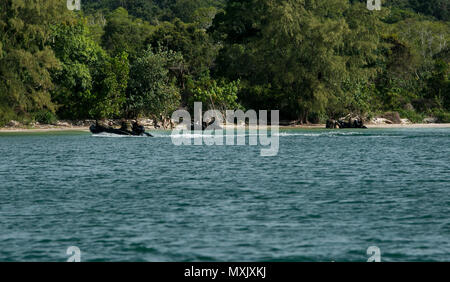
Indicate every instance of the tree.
{"type": "Point", "coordinates": [26, 59]}
{"type": "Point", "coordinates": [436, 8]}
{"type": "Point", "coordinates": [186, 10]}
{"type": "Point", "coordinates": [438, 84]}
{"type": "Point", "coordinates": [194, 43]}
{"type": "Point", "coordinates": [147, 10]}
{"type": "Point", "coordinates": [414, 52]}
{"type": "Point", "coordinates": [90, 84]}
{"type": "Point", "coordinates": [123, 33]}
{"type": "Point", "coordinates": [152, 90]}
{"type": "Point", "coordinates": [293, 49]}
{"type": "Point", "coordinates": [214, 95]}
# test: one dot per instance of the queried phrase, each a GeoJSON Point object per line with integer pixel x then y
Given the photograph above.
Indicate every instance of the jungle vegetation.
{"type": "Point", "coordinates": [310, 59]}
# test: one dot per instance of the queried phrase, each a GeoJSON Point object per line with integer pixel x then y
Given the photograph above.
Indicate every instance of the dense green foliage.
{"type": "Point", "coordinates": [89, 83]}
{"type": "Point", "coordinates": [311, 59]}
{"type": "Point", "coordinates": [153, 92]}
{"type": "Point", "coordinates": [155, 11]}
{"type": "Point", "coordinates": [437, 8]}
{"type": "Point", "coordinates": [214, 95]}
{"type": "Point", "coordinates": [26, 58]}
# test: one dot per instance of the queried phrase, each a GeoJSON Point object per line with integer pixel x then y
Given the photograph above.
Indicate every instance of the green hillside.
{"type": "Point", "coordinates": [310, 59]}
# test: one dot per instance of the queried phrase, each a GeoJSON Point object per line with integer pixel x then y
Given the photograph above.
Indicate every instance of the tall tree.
{"type": "Point", "coordinates": [90, 83]}
{"type": "Point", "coordinates": [26, 59]}
{"type": "Point", "coordinates": [124, 33]}
{"type": "Point", "coordinates": [152, 90]}
{"type": "Point", "coordinates": [194, 43]}
{"type": "Point", "coordinates": [296, 53]}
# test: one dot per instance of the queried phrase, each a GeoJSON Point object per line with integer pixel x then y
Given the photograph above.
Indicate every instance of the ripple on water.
{"type": "Point", "coordinates": [327, 196]}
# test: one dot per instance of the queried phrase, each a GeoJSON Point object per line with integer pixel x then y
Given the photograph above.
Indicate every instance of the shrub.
{"type": "Point", "coordinates": [45, 117]}
{"type": "Point", "coordinates": [442, 116]}
{"type": "Point", "coordinates": [411, 115]}
{"type": "Point", "coordinates": [219, 95]}
{"type": "Point", "coordinates": [6, 115]}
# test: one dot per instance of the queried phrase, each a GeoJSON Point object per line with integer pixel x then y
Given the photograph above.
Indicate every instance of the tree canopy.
{"type": "Point", "coordinates": [310, 59]}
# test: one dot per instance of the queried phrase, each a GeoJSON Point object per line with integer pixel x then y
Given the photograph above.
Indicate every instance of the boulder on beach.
{"type": "Point", "coordinates": [63, 124]}
{"type": "Point", "coordinates": [430, 120]}
{"type": "Point", "coordinates": [13, 123]}
{"type": "Point", "coordinates": [332, 124]}
{"type": "Point", "coordinates": [378, 120]}
{"type": "Point", "coordinates": [394, 117]}
{"type": "Point", "coordinates": [348, 121]}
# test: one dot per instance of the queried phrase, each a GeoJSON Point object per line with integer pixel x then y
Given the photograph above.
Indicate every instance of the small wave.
{"type": "Point", "coordinates": [280, 134]}
{"type": "Point", "coordinates": [187, 135]}
{"type": "Point", "coordinates": [330, 133]}
{"type": "Point", "coordinates": [112, 135]}
{"type": "Point", "coordinates": [284, 134]}
{"type": "Point", "coordinates": [338, 134]}
{"type": "Point", "coordinates": [197, 135]}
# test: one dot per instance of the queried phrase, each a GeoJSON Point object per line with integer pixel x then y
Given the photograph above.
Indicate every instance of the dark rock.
{"type": "Point", "coordinates": [332, 124]}
{"type": "Point", "coordinates": [346, 122]}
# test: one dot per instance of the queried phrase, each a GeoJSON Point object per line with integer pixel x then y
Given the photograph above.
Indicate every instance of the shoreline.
{"type": "Point", "coordinates": [308, 126]}
{"type": "Point", "coordinates": [374, 125]}
{"type": "Point", "coordinates": [410, 125]}
{"type": "Point", "coordinates": [43, 129]}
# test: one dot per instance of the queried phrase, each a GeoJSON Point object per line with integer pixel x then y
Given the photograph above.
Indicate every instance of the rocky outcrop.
{"type": "Point", "coordinates": [390, 118]}
{"type": "Point", "coordinates": [61, 123]}
{"type": "Point", "coordinates": [430, 120]}
{"type": "Point", "coordinates": [378, 120]}
{"type": "Point", "coordinates": [346, 122]}
{"type": "Point", "coordinates": [13, 123]}
{"type": "Point", "coordinates": [394, 117]}
{"type": "Point", "coordinates": [332, 124]}
{"type": "Point", "coordinates": [86, 122]}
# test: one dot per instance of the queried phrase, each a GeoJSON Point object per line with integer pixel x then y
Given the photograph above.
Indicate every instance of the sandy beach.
{"type": "Point", "coordinates": [43, 129]}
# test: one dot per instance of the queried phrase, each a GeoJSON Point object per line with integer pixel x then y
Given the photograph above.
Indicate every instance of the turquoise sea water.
{"type": "Point", "coordinates": [327, 196]}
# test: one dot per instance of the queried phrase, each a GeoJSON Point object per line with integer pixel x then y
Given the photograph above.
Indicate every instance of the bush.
{"type": "Point", "coordinates": [218, 95]}
{"type": "Point", "coordinates": [152, 89]}
{"type": "Point", "coordinates": [442, 116]}
{"type": "Point", "coordinates": [411, 115]}
{"type": "Point", "coordinates": [6, 115]}
{"type": "Point", "coordinates": [45, 117]}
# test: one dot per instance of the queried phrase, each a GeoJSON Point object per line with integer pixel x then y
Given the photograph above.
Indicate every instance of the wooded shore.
{"type": "Point", "coordinates": [61, 128]}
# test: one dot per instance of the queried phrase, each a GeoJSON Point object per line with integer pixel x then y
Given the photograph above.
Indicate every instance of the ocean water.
{"type": "Point", "coordinates": [327, 196]}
